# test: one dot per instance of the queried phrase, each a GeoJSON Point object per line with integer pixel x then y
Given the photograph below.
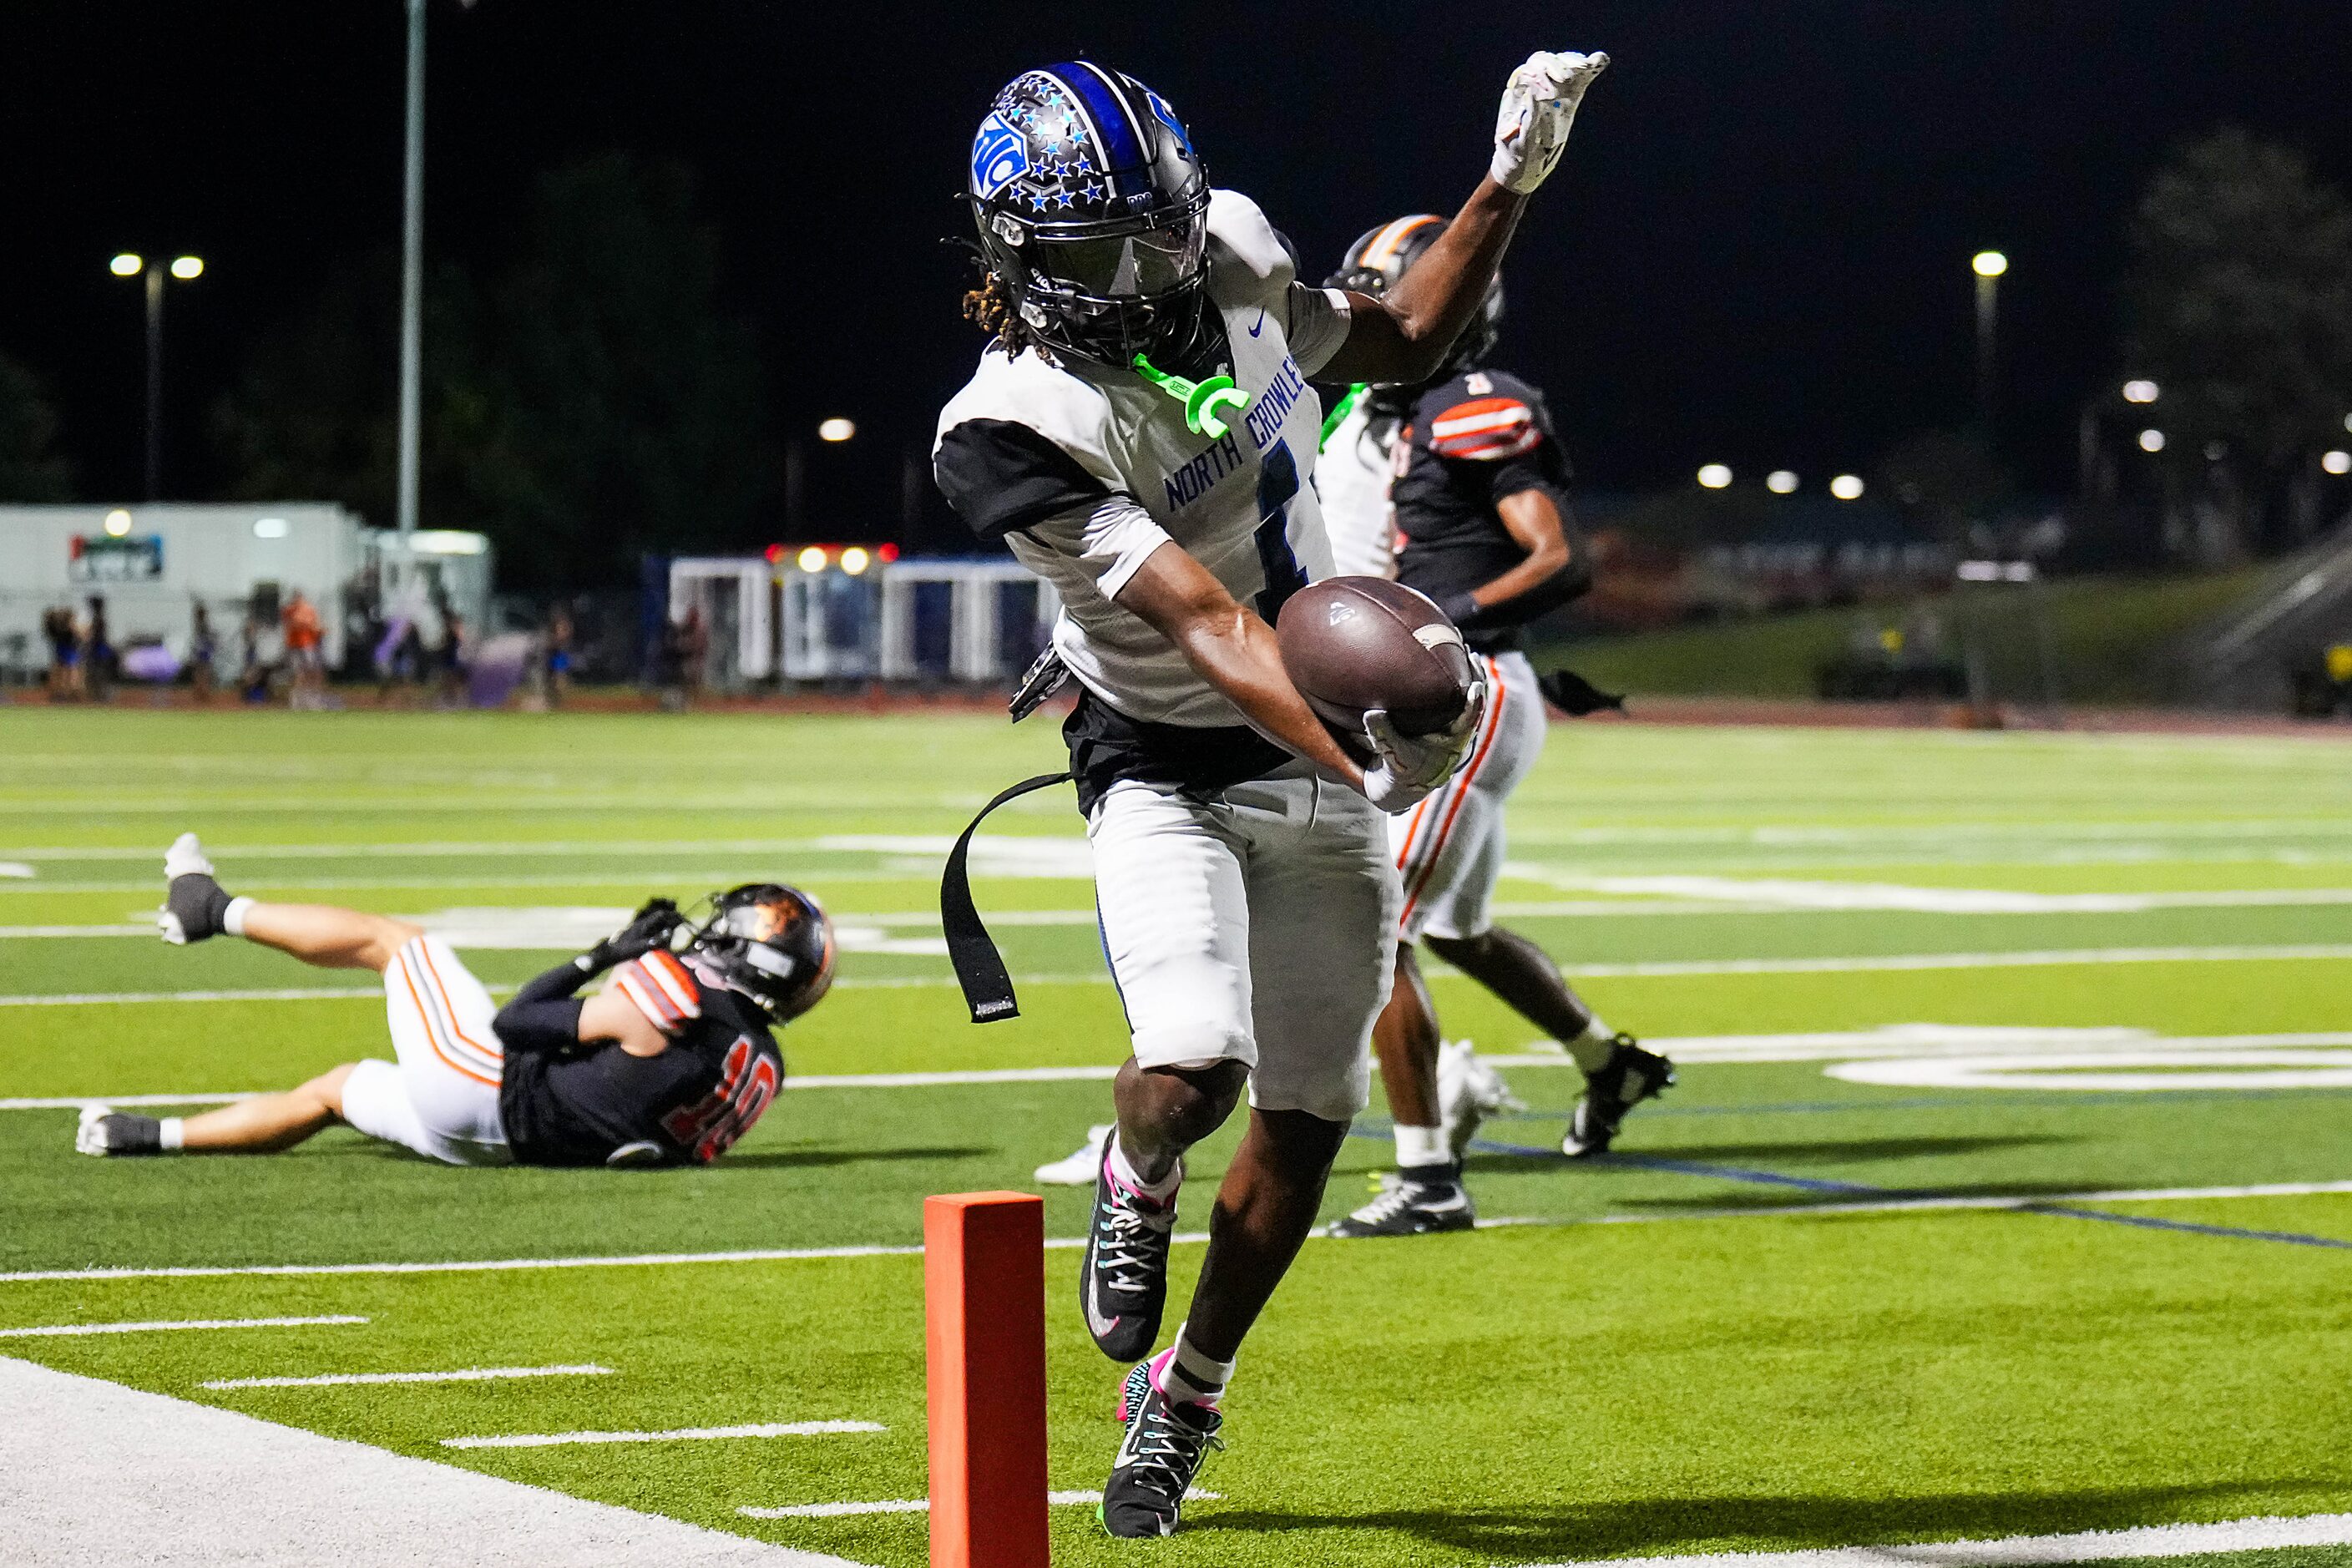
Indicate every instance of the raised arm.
{"type": "Point", "coordinates": [1404, 336]}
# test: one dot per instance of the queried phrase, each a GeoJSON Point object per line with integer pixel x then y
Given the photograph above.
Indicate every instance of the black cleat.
{"type": "Point", "coordinates": [1407, 1207]}
{"type": "Point", "coordinates": [1123, 1278]}
{"type": "Point", "coordinates": [197, 904]}
{"type": "Point", "coordinates": [110, 1132]}
{"type": "Point", "coordinates": [1157, 1459]}
{"type": "Point", "coordinates": [1631, 1075]}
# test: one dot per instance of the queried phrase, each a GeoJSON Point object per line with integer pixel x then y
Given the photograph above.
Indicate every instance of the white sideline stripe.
{"type": "Point", "coordinates": [812, 1080]}
{"type": "Point", "coordinates": [1189, 1238]}
{"type": "Point", "coordinates": [1896, 1040]}
{"type": "Point", "coordinates": [923, 1505]}
{"type": "Point", "coordinates": [675, 1434]}
{"type": "Point", "coordinates": [2026, 958]}
{"type": "Point", "coordinates": [74, 1330]}
{"type": "Point", "coordinates": [464, 1375]}
{"type": "Point", "coordinates": [549, 929]}
{"type": "Point", "coordinates": [93, 1475]}
{"type": "Point", "coordinates": [2086, 1546]}
{"type": "Point", "coordinates": [1819, 896]}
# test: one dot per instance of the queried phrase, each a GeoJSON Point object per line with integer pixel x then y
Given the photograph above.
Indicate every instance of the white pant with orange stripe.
{"type": "Point", "coordinates": [1257, 926]}
{"type": "Point", "coordinates": [1449, 849]}
{"type": "Point", "coordinates": [442, 1099]}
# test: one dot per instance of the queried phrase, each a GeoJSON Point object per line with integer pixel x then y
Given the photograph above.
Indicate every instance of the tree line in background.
{"type": "Point", "coordinates": [594, 400]}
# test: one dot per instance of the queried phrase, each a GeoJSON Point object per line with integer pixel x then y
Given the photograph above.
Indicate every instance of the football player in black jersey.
{"type": "Point", "coordinates": [1474, 514]}
{"type": "Point", "coordinates": [668, 1063]}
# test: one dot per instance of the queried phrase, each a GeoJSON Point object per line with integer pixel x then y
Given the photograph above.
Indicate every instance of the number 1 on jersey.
{"type": "Point", "coordinates": [1278, 485]}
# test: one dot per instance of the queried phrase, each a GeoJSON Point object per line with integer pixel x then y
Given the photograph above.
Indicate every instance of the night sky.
{"type": "Point", "coordinates": [1756, 251]}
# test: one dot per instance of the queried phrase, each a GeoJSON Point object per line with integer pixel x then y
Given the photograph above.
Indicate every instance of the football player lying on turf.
{"type": "Point", "coordinates": [668, 1063]}
{"type": "Point", "coordinates": [1140, 434]}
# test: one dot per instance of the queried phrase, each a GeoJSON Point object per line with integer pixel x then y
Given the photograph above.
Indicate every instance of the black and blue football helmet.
{"type": "Point", "coordinates": [1093, 210]}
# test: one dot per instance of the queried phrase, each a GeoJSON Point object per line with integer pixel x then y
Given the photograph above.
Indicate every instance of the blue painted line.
{"type": "Point", "coordinates": [1859, 1190]}
{"type": "Point", "coordinates": [2148, 1222]}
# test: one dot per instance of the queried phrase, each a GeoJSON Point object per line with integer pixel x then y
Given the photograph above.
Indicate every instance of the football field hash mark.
{"type": "Point", "coordinates": [74, 1330]}
{"type": "Point", "coordinates": [1894, 1203]}
{"type": "Point", "coordinates": [673, 1435]}
{"type": "Point", "coordinates": [2017, 1551]}
{"type": "Point", "coordinates": [462, 1374]}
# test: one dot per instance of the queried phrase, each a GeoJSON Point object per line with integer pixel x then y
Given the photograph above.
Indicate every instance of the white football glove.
{"type": "Point", "coordinates": [1409, 768]}
{"type": "Point", "coordinates": [1539, 106]}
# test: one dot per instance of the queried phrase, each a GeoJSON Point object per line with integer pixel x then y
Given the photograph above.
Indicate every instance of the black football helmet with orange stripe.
{"type": "Point", "coordinates": [772, 943]}
{"type": "Point", "coordinates": [1382, 257]}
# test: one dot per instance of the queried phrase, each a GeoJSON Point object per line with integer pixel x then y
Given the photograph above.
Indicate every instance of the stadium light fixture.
{"type": "Point", "coordinates": [1780, 481]}
{"type": "Point", "coordinates": [835, 430]}
{"type": "Point", "coordinates": [1989, 263]}
{"type": "Point", "coordinates": [855, 561]}
{"type": "Point", "coordinates": [2151, 440]}
{"type": "Point", "coordinates": [2336, 462]}
{"type": "Point", "coordinates": [1714, 476]}
{"type": "Point", "coordinates": [2140, 391]}
{"type": "Point", "coordinates": [812, 559]}
{"type": "Point", "coordinates": [127, 265]}
{"type": "Point", "coordinates": [118, 523]}
{"type": "Point", "coordinates": [130, 263]}
{"type": "Point", "coordinates": [2347, 422]}
{"type": "Point", "coordinates": [187, 267]}
{"type": "Point", "coordinates": [1846, 486]}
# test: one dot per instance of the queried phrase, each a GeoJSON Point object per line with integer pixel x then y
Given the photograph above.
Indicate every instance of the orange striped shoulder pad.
{"type": "Point", "coordinates": [1485, 429]}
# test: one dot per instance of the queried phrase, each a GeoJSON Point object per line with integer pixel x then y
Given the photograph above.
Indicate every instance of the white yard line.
{"type": "Point", "coordinates": [923, 1505]}
{"type": "Point", "coordinates": [1793, 896]}
{"type": "Point", "coordinates": [93, 1475]}
{"type": "Point", "coordinates": [1189, 1238]}
{"type": "Point", "coordinates": [675, 1434]}
{"type": "Point", "coordinates": [464, 1375]}
{"type": "Point", "coordinates": [2088, 1546]}
{"type": "Point", "coordinates": [2028, 958]}
{"type": "Point", "coordinates": [75, 1331]}
{"type": "Point", "coordinates": [533, 928]}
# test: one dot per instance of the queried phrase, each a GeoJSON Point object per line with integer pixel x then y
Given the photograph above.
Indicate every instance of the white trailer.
{"type": "Point", "coordinates": [153, 563]}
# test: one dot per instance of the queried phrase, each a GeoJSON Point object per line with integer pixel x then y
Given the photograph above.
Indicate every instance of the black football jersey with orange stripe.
{"type": "Point", "coordinates": [1470, 442]}
{"type": "Point", "coordinates": [692, 1102]}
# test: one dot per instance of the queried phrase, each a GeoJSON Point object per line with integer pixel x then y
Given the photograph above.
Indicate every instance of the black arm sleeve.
{"type": "Point", "coordinates": [544, 1016]}
{"type": "Point", "coordinates": [1000, 477]}
{"type": "Point", "coordinates": [1568, 582]}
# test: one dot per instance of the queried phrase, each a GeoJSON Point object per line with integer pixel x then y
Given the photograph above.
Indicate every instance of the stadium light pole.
{"type": "Point", "coordinates": [186, 268]}
{"type": "Point", "coordinates": [412, 276]}
{"type": "Point", "coordinates": [1989, 266]}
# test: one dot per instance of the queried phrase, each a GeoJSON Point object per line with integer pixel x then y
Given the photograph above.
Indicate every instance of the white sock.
{"type": "Point", "coordinates": [1124, 1171]}
{"type": "Point", "coordinates": [1591, 1047]}
{"type": "Point", "coordinates": [1421, 1147]}
{"type": "Point", "coordinates": [233, 923]}
{"type": "Point", "coordinates": [1188, 1377]}
{"type": "Point", "coordinates": [169, 1134]}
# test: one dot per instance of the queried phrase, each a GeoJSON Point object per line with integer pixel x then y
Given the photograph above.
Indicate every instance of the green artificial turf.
{"type": "Point", "coordinates": [1664, 1359]}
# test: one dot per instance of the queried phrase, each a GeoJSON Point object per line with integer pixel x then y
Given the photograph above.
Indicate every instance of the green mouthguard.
{"type": "Point", "coordinates": [1202, 399]}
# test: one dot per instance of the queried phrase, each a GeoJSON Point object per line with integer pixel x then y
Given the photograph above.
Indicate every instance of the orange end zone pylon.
{"type": "Point", "coordinates": [985, 1333]}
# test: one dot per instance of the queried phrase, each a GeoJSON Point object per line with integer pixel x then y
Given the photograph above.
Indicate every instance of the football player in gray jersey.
{"type": "Point", "coordinates": [1140, 432]}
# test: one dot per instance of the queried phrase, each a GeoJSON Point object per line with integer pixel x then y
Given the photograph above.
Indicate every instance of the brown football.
{"type": "Point", "coordinates": [1354, 643]}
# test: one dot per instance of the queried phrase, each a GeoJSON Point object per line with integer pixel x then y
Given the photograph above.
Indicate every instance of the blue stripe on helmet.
{"type": "Point", "coordinates": [1122, 139]}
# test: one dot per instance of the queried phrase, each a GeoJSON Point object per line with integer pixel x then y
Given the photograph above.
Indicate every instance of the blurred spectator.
{"type": "Point", "coordinates": [264, 649]}
{"type": "Point", "coordinates": [98, 659]}
{"type": "Point", "coordinates": [299, 624]}
{"type": "Point", "coordinates": [693, 650]}
{"type": "Point", "coordinates": [64, 683]}
{"type": "Point", "coordinates": [204, 647]}
{"type": "Point", "coordinates": [558, 652]}
{"type": "Point", "coordinates": [449, 657]}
